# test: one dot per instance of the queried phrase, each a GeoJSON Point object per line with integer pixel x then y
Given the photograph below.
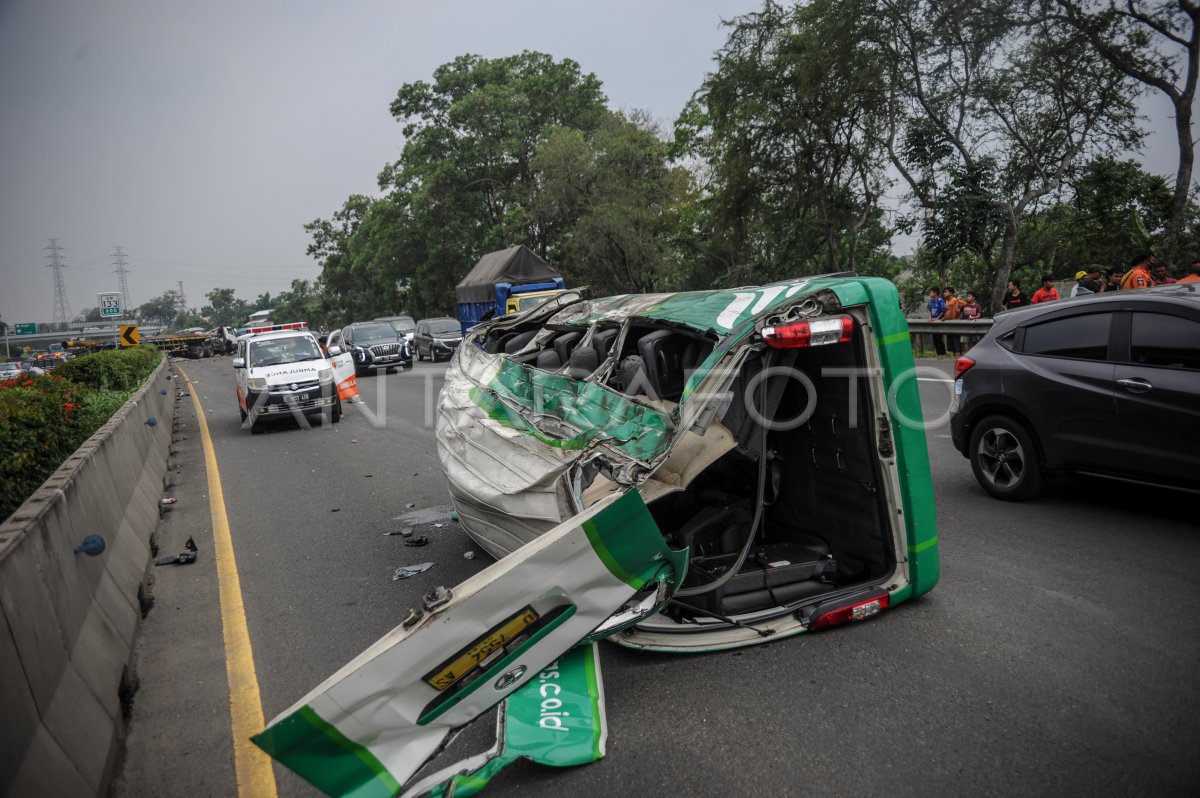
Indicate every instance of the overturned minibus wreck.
{"type": "Point", "coordinates": [674, 472]}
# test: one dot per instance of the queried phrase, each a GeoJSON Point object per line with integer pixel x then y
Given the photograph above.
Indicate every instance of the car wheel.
{"type": "Point", "coordinates": [256, 427]}
{"type": "Point", "coordinates": [419, 355]}
{"type": "Point", "coordinates": [337, 411]}
{"type": "Point", "coordinates": [1005, 460]}
{"type": "Point", "coordinates": [391, 369]}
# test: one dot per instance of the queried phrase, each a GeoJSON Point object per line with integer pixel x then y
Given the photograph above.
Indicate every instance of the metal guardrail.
{"type": "Point", "coordinates": [968, 333]}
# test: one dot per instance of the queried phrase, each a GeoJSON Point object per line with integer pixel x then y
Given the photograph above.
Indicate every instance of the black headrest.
{"type": "Point", "coordinates": [603, 340]}
{"type": "Point", "coordinates": [517, 342]}
{"type": "Point", "coordinates": [565, 343]}
{"type": "Point", "coordinates": [583, 362]}
{"type": "Point", "coordinates": [548, 360]}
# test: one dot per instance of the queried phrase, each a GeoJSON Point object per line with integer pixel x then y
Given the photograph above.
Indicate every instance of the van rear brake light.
{"type": "Point", "coordinates": [809, 332]}
{"type": "Point", "coordinates": [858, 611]}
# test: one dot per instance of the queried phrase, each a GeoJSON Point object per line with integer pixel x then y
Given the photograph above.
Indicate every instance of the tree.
{"type": "Point", "coordinates": [224, 308]}
{"type": "Point", "coordinates": [976, 96]}
{"type": "Point", "coordinates": [1157, 44]}
{"type": "Point", "coordinates": [464, 181]}
{"type": "Point", "coordinates": [615, 197]}
{"type": "Point", "coordinates": [789, 130]}
{"type": "Point", "coordinates": [304, 302]}
{"type": "Point", "coordinates": [161, 310]}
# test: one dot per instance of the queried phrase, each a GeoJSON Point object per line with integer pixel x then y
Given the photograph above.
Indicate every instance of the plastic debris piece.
{"type": "Point", "coordinates": [151, 422]}
{"type": "Point", "coordinates": [468, 555]}
{"type": "Point", "coordinates": [438, 526]}
{"type": "Point", "coordinates": [419, 540]}
{"type": "Point", "coordinates": [454, 515]}
{"type": "Point", "coordinates": [185, 557]}
{"type": "Point", "coordinates": [92, 545]}
{"type": "Point", "coordinates": [410, 505]}
{"type": "Point", "coordinates": [336, 510]}
{"type": "Point", "coordinates": [405, 571]}
{"type": "Point", "coordinates": [171, 500]}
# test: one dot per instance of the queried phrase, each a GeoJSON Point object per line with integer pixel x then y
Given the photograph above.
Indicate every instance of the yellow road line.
{"type": "Point", "coordinates": [255, 777]}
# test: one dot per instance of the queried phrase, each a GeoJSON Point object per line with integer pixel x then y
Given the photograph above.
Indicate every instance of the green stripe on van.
{"type": "Point", "coordinates": [625, 538]}
{"type": "Point", "coordinates": [330, 761]}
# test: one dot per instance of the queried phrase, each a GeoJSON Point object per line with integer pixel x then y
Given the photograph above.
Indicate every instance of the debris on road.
{"type": "Point", "coordinates": [468, 555]}
{"type": "Point", "coordinates": [405, 571]}
{"type": "Point", "coordinates": [185, 557]}
{"type": "Point", "coordinates": [336, 510]}
{"type": "Point", "coordinates": [419, 540]}
{"type": "Point", "coordinates": [410, 505]}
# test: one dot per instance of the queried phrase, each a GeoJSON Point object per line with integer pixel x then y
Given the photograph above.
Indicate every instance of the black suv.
{"type": "Point", "coordinates": [1106, 384]}
{"type": "Point", "coordinates": [437, 338]}
{"type": "Point", "coordinates": [374, 344]}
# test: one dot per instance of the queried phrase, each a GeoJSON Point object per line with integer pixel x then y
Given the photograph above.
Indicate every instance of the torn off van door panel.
{"type": "Point", "coordinates": [368, 728]}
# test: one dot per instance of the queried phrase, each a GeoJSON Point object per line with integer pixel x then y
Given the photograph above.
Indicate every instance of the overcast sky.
{"type": "Point", "coordinates": [201, 136]}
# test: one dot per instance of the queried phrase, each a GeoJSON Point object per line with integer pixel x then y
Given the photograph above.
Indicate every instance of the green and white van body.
{"type": "Point", "coordinates": [571, 478]}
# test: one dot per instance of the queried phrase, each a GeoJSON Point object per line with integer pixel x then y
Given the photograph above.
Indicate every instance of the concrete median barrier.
{"type": "Point", "coordinates": [69, 622]}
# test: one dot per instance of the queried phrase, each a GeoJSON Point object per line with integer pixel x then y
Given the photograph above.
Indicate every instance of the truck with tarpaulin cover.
{"type": "Point", "coordinates": [506, 281]}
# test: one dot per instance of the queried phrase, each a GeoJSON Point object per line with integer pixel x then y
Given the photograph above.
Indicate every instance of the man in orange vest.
{"type": "Point", "coordinates": [1139, 275]}
{"type": "Point", "coordinates": [1193, 275]}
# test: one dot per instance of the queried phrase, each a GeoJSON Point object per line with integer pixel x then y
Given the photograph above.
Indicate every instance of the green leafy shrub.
{"type": "Point", "coordinates": [45, 418]}
{"type": "Point", "coordinates": [115, 370]}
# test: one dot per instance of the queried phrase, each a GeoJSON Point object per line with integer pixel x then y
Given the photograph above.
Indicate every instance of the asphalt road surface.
{"type": "Point", "coordinates": [1058, 655]}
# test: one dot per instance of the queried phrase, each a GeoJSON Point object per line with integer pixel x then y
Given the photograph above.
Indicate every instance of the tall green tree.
{"type": "Point", "coordinates": [616, 198]}
{"type": "Point", "coordinates": [161, 310]}
{"type": "Point", "coordinates": [464, 181]}
{"type": "Point", "coordinates": [973, 89]}
{"type": "Point", "coordinates": [224, 308]}
{"type": "Point", "coordinates": [1157, 44]}
{"type": "Point", "coordinates": [788, 130]}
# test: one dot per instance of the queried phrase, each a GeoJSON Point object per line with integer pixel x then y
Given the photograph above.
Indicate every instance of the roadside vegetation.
{"type": "Point", "coordinates": [998, 135]}
{"type": "Point", "coordinates": [45, 418]}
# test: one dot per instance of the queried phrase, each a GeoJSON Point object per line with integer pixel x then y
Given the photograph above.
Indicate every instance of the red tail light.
{"type": "Point", "coordinates": [961, 365]}
{"type": "Point", "coordinates": [810, 332]}
{"type": "Point", "coordinates": [858, 611]}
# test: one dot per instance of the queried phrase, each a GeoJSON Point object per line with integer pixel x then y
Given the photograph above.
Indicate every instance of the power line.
{"type": "Point", "coordinates": [121, 271]}
{"type": "Point", "coordinates": [62, 308]}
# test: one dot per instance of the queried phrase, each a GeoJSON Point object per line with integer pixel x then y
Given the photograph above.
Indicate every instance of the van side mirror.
{"type": "Point", "coordinates": [335, 350]}
{"type": "Point", "coordinates": [238, 363]}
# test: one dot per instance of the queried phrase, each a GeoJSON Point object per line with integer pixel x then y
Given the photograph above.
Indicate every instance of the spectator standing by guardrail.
{"type": "Point", "coordinates": [1047, 293]}
{"type": "Point", "coordinates": [1193, 275]}
{"type": "Point", "coordinates": [1138, 275]}
{"type": "Point", "coordinates": [1015, 298]}
{"type": "Point", "coordinates": [1112, 282]}
{"type": "Point", "coordinates": [953, 313]}
{"type": "Point", "coordinates": [971, 309]}
{"type": "Point", "coordinates": [937, 311]}
{"type": "Point", "coordinates": [1087, 281]}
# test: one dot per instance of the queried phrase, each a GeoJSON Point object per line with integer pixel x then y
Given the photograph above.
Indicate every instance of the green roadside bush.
{"type": "Point", "coordinates": [45, 418]}
{"type": "Point", "coordinates": [112, 369]}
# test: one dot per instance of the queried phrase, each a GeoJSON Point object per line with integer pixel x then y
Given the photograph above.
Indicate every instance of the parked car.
{"type": "Point", "coordinates": [11, 370]}
{"type": "Point", "coordinates": [405, 325]}
{"type": "Point", "coordinates": [437, 338]}
{"type": "Point", "coordinates": [1105, 384]}
{"type": "Point", "coordinates": [374, 344]}
{"type": "Point", "coordinates": [655, 469]}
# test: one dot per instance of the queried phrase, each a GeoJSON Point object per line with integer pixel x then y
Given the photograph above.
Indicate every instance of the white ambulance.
{"type": "Point", "coordinates": [282, 371]}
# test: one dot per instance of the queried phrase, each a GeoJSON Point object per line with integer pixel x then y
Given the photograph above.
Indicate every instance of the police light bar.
{"type": "Point", "coordinates": [809, 332]}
